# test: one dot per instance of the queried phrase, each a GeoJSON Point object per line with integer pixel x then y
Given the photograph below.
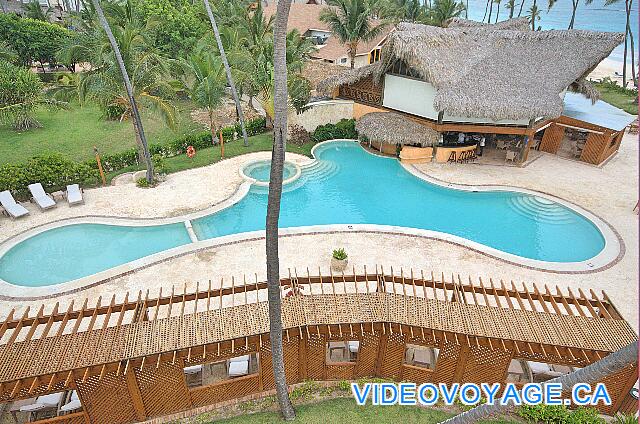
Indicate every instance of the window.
{"type": "Point", "coordinates": [342, 351]}
{"type": "Point", "coordinates": [374, 56]}
{"type": "Point", "coordinates": [421, 356]}
{"type": "Point", "coordinates": [343, 60]}
{"type": "Point", "coordinates": [214, 372]}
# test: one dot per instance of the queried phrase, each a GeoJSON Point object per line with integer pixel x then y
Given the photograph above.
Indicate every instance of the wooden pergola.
{"type": "Point", "coordinates": [125, 358]}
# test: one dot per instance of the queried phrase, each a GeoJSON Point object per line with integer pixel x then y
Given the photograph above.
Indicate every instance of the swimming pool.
{"type": "Point", "coordinates": [345, 185]}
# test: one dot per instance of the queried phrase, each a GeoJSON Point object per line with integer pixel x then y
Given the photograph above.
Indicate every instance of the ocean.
{"type": "Point", "coordinates": [595, 16]}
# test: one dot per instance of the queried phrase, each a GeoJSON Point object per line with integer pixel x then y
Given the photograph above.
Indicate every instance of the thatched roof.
{"type": "Point", "coordinates": [494, 71]}
{"type": "Point", "coordinates": [393, 128]}
{"type": "Point", "coordinates": [349, 76]}
{"type": "Point", "coordinates": [518, 24]}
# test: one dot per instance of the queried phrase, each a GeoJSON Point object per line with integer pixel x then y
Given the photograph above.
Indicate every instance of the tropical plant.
{"type": "Point", "coordinates": [444, 10]}
{"type": "Point", "coordinates": [33, 10]}
{"type": "Point", "coordinates": [590, 374]}
{"type": "Point", "coordinates": [628, 42]}
{"type": "Point", "coordinates": [204, 79]}
{"type": "Point", "coordinates": [21, 94]}
{"type": "Point", "coordinates": [339, 254]}
{"type": "Point", "coordinates": [624, 419]}
{"type": "Point", "coordinates": [351, 22]}
{"type": "Point", "coordinates": [273, 205]}
{"type": "Point", "coordinates": [510, 6]}
{"type": "Point", "coordinates": [7, 53]}
{"type": "Point", "coordinates": [130, 102]}
{"type": "Point", "coordinates": [404, 11]}
{"type": "Point", "coordinates": [534, 15]}
{"type": "Point", "coordinates": [227, 69]}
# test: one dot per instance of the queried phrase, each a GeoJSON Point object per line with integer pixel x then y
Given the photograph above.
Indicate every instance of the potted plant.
{"type": "Point", "coordinates": [339, 260]}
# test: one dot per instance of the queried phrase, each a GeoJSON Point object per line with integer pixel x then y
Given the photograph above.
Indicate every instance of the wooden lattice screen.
{"type": "Point", "coordinates": [130, 367]}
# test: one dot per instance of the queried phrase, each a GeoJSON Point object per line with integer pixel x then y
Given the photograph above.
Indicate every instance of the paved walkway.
{"type": "Point", "coordinates": [610, 192]}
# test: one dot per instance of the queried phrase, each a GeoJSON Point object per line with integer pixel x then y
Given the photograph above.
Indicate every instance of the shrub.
{"type": "Point", "coordinates": [159, 164]}
{"type": "Point", "coordinates": [559, 414]}
{"type": "Point", "coordinates": [143, 183]}
{"type": "Point", "coordinates": [32, 40]}
{"type": "Point", "coordinates": [54, 171]}
{"type": "Point", "coordinates": [20, 95]}
{"type": "Point", "coordinates": [345, 128]}
{"type": "Point", "coordinates": [339, 254]}
{"type": "Point", "coordinates": [299, 135]}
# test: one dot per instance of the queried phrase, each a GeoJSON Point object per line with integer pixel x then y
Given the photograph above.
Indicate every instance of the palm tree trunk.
{"type": "Point", "coordinates": [353, 50]}
{"type": "Point", "coordinates": [273, 206]}
{"type": "Point", "coordinates": [137, 121]}
{"type": "Point", "coordinates": [627, 30]}
{"type": "Point", "coordinates": [520, 10]}
{"type": "Point", "coordinates": [497, 13]}
{"type": "Point", "coordinates": [212, 128]}
{"type": "Point", "coordinates": [486, 9]}
{"type": "Point", "coordinates": [574, 4]}
{"type": "Point", "coordinates": [589, 375]}
{"type": "Point", "coordinates": [490, 11]}
{"type": "Point", "coordinates": [227, 70]}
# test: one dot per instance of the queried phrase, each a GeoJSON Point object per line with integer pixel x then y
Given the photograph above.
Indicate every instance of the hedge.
{"type": "Point", "coordinates": [199, 140]}
{"type": "Point", "coordinates": [345, 128]}
{"type": "Point", "coordinates": [54, 171]}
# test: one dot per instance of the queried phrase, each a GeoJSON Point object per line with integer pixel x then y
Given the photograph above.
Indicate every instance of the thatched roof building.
{"type": "Point", "coordinates": [393, 128]}
{"type": "Point", "coordinates": [501, 71]}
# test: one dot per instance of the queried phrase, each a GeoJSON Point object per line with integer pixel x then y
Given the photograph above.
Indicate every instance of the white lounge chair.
{"type": "Point", "coordinates": [239, 366]}
{"type": "Point", "coordinates": [13, 208]}
{"type": "Point", "coordinates": [44, 402]}
{"type": "Point", "coordinates": [73, 404]}
{"type": "Point", "coordinates": [74, 195]}
{"type": "Point", "coordinates": [43, 200]}
{"type": "Point", "coordinates": [511, 155]}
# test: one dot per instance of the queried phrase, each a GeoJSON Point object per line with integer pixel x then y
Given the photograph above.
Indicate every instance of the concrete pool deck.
{"type": "Point", "coordinates": [609, 192]}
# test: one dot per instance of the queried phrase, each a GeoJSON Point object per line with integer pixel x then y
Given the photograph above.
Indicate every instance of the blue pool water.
{"type": "Point", "coordinates": [346, 185]}
{"type": "Point", "coordinates": [261, 170]}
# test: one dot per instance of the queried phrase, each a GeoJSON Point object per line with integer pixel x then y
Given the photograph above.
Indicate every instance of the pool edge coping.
{"type": "Point", "coordinates": [605, 259]}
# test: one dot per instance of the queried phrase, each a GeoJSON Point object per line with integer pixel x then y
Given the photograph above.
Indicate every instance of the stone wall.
{"type": "Point", "coordinates": [320, 113]}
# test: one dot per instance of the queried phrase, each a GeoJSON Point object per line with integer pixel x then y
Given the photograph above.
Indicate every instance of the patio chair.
{"type": "Point", "coordinates": [511, 155]}
{"type": "Point", "coordinates": [501, 144]}
{"type": "Point", "coordinates": [73, 404]}
{"type": "Point", "coordinates": [13, 208]}
{"type": "Point", "coordinates": [42, 199]}
{"type": "Point", "coordinates": [74, 195]}
{"type": "Point", "coordinates": [194, 375]}
{"type": "Point", "coordinates": [354, 347]}
{"type": "Point", "coordinates": [44, 403]}
{"type": "Point", "coordinates": [452, 157]}
{"type": "Point", "coordinates": [239, 366]}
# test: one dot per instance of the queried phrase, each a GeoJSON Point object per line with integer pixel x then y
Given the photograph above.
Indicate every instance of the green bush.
{"type": "Point", "coordinates": [54, 171]}
{"type": "Point", "coordinates": [345, 128]}
{"type": "Point", "coordinates": [32, 40]}
{"type": "Point", "coordinates": [199, 140]}
{"type": "Point", "coordinates": [558, 414]}
{"type": "Point", "coordinates": [339, 254]}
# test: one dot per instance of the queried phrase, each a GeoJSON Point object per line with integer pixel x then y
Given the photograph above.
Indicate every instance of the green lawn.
{"type": "Point", "coordinates": [74, 132]}
{"type": "Point", "coordinates": [257, 143]}
{"type": "Point", "coordinates": [345, 410]}
{"type": "Point", "coordinates": [624, 101]}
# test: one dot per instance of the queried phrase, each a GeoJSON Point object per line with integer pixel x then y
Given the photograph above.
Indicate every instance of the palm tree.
{"type": "Point", "coordinates": [443, 10]}
{"type": "Point", "coordinates": [227, 70]}
{"type": "Point", "coordinates": [350, 21]}
{"type": "Point", "coordinates": [520, 9]}
{"type": "Point", "coordinates": [574, 9]}
{"type": "Point", "coordinates": [404, 11]}
{"type": "Point", "coordinates": [137, 121]}
{"type": "Point", "coordinates": [628, 39]}
{"type": "Point", "coordinates": [534, 14]}
{"type": "Point", "coordinates": [511, 5]}
{"type": "Point", "coordinates": [273, 205]}
{"type": "Point", "coordinates": [498, 10]}
{"type": "Point", "coordinates": [33, 10]}
{"type": "Point", "coordinates": [204, 79]}
{"type": "Point", "coordinates": [591, 374]}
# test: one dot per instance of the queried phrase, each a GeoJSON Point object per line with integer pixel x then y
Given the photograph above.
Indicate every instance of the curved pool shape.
{"type": "Point", "coordinates": [345, 185]}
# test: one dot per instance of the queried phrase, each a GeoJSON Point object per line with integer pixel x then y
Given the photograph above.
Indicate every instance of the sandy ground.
{"type": "Point", "coordinates": [609, 68]}
{"type": "Point", "coordinates": [610, 192]}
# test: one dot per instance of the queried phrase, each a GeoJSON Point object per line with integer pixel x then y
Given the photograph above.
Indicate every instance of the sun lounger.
{"type": "Point", "coordinates": [73, 404]}
{"type": "Point", "coordinates": [74, 195]}
{"type": "Point", "coordinates": [14, 209]}
{"type": "Point", "coordinates": [41, 197]}
{"type": "Point", "coordinates": [44, 402]}
{"type": "Point", "coordinates": [239, 366]}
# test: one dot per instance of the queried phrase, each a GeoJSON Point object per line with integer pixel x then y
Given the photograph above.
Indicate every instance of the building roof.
{"type": "Point", "coordinates": [600, 113]}
{"type": "Point", "coordinates": [394, 128]}
{"type": "Point", "coordinates": [305, 17]}
{"type": "Point", "coordinates": [494, 71]}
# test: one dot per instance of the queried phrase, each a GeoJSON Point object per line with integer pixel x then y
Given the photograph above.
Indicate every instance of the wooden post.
{"type": "Point", "coordinates": [104, 180]}
{"type": "Point", "coordinates": [221, 146]}
{"type": "Point", "coordinates": [134, 392]}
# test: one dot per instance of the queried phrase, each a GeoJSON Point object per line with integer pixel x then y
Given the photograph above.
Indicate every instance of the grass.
{"type": "Point", "coordinates": [203, 157]}
{"type": "Point", "coordinates": [618, 98]}
{"type": "Point", "coordinates": [345, 410]}
{"type": "Point", "coordinates": [74, 132]}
